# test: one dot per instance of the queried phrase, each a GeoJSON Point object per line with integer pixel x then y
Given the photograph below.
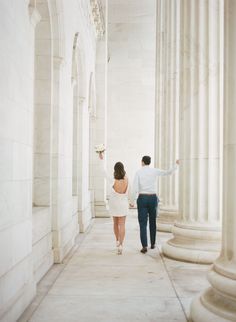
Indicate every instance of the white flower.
{"type": "Point", "coordinates": [100, 148]}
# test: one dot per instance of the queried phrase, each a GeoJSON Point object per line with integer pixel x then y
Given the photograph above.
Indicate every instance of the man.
{"type": "Point", "coordinates": [145, 186]}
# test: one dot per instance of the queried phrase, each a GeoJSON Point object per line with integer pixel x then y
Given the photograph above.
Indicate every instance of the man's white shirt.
{"type": "Point", "coordinates": [145, 180]}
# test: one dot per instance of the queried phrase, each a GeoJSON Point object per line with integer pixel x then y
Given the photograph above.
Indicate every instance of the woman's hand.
{"type": "Point", "coordinates": [177, 162]}
{"type": "Point", "coordinates": [101, 155]}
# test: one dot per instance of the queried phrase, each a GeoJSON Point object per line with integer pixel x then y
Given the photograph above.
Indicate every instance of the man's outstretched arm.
{"type": "Point", "coordinates": [168, 172]}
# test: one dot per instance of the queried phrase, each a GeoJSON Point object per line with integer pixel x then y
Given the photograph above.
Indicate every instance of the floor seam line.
{"type": "Point", "coordinates": [172, 283]}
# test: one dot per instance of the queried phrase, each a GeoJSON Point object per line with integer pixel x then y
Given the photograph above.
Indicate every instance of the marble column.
{"type": "Point", "coordinates": [100, 123]}
{"type": "Point", "coordinates": [197, 235]}
{"type": "Point", "coordinates": [218, 303]}
{"type": "Point", "coordinates": [167, 108]}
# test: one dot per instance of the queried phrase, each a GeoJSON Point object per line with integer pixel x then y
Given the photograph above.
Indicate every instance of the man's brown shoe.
{"type": "Point", "coordinates": [143, 250]}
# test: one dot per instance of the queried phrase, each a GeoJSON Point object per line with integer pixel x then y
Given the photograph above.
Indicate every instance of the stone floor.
{"type": "Point", "coordinates": [95, 284]}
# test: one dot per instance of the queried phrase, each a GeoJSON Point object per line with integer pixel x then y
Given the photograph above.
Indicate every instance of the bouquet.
{"type": "Point", "coordinates": [100, 148]}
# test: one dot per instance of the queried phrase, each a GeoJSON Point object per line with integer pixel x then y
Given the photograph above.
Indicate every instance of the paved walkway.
{"type": "Point", "coordinates": [95, 284]}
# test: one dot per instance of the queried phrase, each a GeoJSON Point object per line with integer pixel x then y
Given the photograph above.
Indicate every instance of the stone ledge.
{"type": "Point", "coordinates": [13, 303]}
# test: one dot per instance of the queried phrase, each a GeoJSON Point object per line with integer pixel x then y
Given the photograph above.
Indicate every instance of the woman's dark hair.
{"type": "Point", "coordinates": [146, 160]}
{"type": "Point", "coordinates": [119, 171]}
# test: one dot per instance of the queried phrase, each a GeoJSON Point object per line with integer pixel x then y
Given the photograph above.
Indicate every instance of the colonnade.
{"type": "Point", "coordinates": [205, 81]}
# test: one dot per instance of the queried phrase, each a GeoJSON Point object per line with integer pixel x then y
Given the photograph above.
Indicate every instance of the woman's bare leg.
{"type": "Point", "coordinates": [121, 221]}
{"type": "Point", "coordinates": [116, 228]}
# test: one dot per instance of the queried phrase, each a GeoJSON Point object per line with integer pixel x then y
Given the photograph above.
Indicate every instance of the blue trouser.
{"type": "Point", "coordinates": [147, 208]}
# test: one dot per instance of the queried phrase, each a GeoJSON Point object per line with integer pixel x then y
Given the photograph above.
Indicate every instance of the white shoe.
{"type": "Point", "coordinates": [117, 243]}
{"type": "Point", "coordinates": [120, 249]}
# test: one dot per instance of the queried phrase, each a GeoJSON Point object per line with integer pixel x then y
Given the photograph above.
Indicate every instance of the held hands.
{"type": "Point", "coordinates": [131, 205]}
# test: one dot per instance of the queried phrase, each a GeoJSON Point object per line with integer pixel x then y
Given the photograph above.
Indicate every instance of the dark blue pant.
{"type": "Point", "coordinates": [147, 208]}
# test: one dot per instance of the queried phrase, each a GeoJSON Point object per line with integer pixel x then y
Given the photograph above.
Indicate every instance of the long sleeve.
{"type": "Point", "coordinates": [129, 192]}
{"type": "Point", "coordinates": [160, 172]}
{"type": "Point", "coordinates": [106, 175]}
{"type": "Point", "coordinates": [135, 189]}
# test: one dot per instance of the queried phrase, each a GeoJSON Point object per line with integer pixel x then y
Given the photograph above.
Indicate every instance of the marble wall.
{"type": "Point", "coordinates": [131, 82]}
{"type": "Point", "coordinates": [40, 215]}
{"type": "Point", "coordinates": [17, 284]}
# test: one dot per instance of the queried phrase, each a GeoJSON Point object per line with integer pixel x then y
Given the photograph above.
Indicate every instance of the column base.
{"type": "Point", "coordinates": [166, 219]}
{"type": "Point", "coordinates": [217, 303]}
{"type": "Point", "coordinates": [61, 252]}
{"type": "Point", "coordinates": [193, 243]}
{"type": "Point", "coordinates": [85, 218]}
{"type": "Point", "coordinates": [64, 239]}
{"type": "Point", "coordinates": [210, 313]}
{"type": "Point", "coordinates": [92, 206]}
{"type": "Point", "coordinates": [101, 210]}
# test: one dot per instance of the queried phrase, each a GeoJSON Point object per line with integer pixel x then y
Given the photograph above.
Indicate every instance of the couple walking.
{"type": "Point", "coordinates": [144, 187]}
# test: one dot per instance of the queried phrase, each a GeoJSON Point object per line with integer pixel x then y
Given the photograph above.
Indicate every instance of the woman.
{"type": "Point", "coordinates": [118, 202]}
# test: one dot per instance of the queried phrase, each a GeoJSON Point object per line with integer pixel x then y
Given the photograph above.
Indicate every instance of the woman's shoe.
{"type": "Point", "coordinates": [120, 249]}
{"type": "Point", "coordinates": [117, 243]}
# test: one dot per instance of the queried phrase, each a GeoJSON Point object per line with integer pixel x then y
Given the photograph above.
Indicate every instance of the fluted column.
{"type": "Point", "coordinates": [167, 107]}
{"type": "Point", "coordinates": [218, 303]}
{"type": "Point", "coordinates": [197, 234]}
{"type": "Point", "coordinates": [100, 126]}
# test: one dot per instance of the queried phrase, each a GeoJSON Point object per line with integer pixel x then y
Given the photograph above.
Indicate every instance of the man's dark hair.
{"type": "Point", "coordinates": [146, 160]}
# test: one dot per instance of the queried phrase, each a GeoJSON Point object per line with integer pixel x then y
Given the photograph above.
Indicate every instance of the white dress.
{"type": "Point", "coordinates": [118, 202]}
